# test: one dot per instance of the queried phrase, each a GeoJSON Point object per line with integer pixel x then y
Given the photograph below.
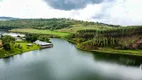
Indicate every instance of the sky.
{"type": "Point", "coordinates": [119, 12]}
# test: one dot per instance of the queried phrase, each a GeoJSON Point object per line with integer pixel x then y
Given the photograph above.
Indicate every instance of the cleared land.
{"type": "Point", "coordinates": [78, 27]}
{"type": "Point", "coordinates": [36, 31]}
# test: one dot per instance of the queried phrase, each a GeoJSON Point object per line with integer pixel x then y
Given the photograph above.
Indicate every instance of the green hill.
{"type": "Point", "coordinates": [53, 24]}
{"type": "Point", "coordinates": [86, 35]}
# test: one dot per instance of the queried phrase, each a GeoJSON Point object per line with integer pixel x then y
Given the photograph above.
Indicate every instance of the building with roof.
{"type": "Point", "coordinates": [43, 44]}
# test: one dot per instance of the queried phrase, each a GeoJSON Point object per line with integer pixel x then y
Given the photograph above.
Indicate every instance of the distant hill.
{"type": "Point", "coordinates": [65, 25]}
{"type": "Point", "coordinates": [8, 18]}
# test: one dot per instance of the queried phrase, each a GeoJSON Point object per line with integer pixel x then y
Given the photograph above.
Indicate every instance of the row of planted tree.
{"type": "Point", "coordinates": [108, 38]}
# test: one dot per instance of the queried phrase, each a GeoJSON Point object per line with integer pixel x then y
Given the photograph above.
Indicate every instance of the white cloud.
{"type": "Point", "coordinates": [39, 9]}
{"type": "Point", "coordinates": [124, 12]}
{"type": "Point", "coordinates": [127, 12]}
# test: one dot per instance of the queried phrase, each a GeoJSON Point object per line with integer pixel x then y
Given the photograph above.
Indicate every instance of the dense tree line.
{"type": "Point", "coordinates": [36, 23]}
{"type": "Point", "coordinates": [51, 24]}
{"type": "Point", "coordinates": [34, 37]}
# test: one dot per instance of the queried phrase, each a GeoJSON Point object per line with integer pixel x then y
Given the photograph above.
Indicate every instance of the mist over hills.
{"type": "Point", "coordinates": [8, 18]}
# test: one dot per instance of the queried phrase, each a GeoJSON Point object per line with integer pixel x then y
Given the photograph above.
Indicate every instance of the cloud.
{"type": "Point", "coordinates": [122, 12]}
{"type": "Point", "coordinates": [71, 4]}
{"type": "Point", "coordinates": [39, 9]}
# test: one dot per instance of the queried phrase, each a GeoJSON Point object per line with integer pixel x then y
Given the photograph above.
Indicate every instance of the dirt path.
{"type": "Point", "coordinates": [137, 43]}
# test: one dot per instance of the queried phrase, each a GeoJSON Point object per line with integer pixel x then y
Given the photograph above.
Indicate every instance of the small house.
{"type": "Point", "coordinates": [43, 44]}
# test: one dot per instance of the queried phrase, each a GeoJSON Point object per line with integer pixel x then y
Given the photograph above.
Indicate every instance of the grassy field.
{"type": "Point", "coordinates": [123, 52]}
{"type": "Point", "coordinates": [77, 27]}
{"type": "Point", "coordinates": [15, 50]}
{"type": "Point", "coordinates": [115, 51]}
{"type": "Point", "coordinates": [36, 31]}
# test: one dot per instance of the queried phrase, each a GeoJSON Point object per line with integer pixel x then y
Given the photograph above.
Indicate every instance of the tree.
{"type": "Point", "coordinates": [43, 38]}
{"type": "Point", "coordinates": [6, 40]}
{"type": "Point", "coordinates": [31, 37]}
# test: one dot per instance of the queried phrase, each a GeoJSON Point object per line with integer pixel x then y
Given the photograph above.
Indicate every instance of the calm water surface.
{"type": "Point", "coordinates": [65, 62]}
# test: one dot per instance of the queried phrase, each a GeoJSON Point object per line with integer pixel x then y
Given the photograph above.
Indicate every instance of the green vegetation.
{"type": "Point", "coordinates": [123, 40]}
{"type": "Point", "coordinates": [51, 24]}
{"type": "Point", "coordinates": [122, 52]}
{"type": "Point", "coordinates": [9, 46]}
{"type": "Point", "coordinates": [31, 37]}
{"type": "Point", "coordinates": [34, 37]}
{"type": "Point", "coordinates": [120, 37]}
{"type": "Point", "coordinates": [86, 35]}
{"type": "Point", "coordinates": [86, 26]}
{"type": "Point", "coordinates": [48, 32]}
{"type": "Point", "coordinates": [6, 40]}
{"type": "Point", "coordinates": [17, 48]}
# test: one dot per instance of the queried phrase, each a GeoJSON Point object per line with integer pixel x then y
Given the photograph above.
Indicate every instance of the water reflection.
{"type": "Point", "coordinates": [2, 31]}
{"type": "Point", "coordinates": [65, 62]}
{"type": "Point", "coordinates": [119, 59]}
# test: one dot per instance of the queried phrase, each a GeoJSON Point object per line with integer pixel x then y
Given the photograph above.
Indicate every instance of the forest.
{"type": "Point", "coordinates": [51, 24]}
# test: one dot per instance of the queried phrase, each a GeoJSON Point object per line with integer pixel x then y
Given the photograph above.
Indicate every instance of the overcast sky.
{"type": "Point", "coordinates": [122, 12]}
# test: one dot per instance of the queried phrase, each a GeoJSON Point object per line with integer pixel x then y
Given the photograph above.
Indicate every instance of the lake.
{"type": "Point", "coordinates": [65, 62]}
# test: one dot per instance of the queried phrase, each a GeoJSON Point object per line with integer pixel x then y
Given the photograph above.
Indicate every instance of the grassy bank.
{"type": "Point", "coordinates": [115, 51]}
{"type": "Point", "coordinates": [63, 34]}
{"type": "Point", "coordinates": [112, 39]}
{"type": "Point", "coordinates": [48, 32]}
{"type": "Point", "coordinates": [18, 50]}
{"type": "Point", "coordinates": [122, 52]}
{"type": "Point", "coordinates": [23, 45]}
{"type": "Point", "coordinates": [109, 50]}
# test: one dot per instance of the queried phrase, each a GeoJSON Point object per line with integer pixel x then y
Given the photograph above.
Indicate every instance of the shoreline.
{"type": "Point", "coordinates": [93, 51]}
{"type": "Point", "coordinates": [114, 53]}
{"type": "Point", "coordinates": [9, 54]}
{"type": "Point", "coordinates": [103, 50]}
{"type": "Point", "coordinates": [13, 54]}
{"type": "Point", "coordinates": [16, 50]}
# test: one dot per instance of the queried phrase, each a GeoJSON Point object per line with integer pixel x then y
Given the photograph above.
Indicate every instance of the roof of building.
{"type": "Point", "coordinates": [41, 42]}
